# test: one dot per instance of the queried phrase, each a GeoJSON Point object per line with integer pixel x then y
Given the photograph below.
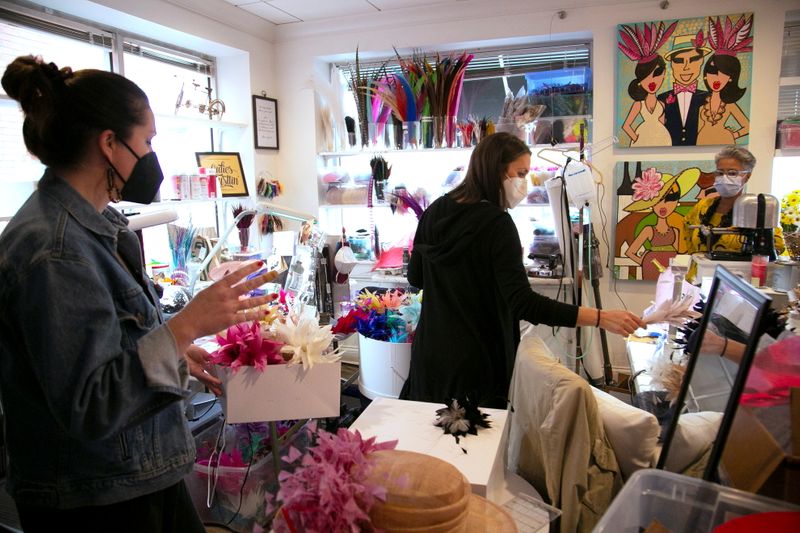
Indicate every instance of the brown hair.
{"type": "Point", "coordinates": [64, 110]}
{"type": "Point", "coordinates": [487, 167]}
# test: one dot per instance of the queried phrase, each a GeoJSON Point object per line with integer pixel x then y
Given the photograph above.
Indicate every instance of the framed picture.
{"type": "Point", "coordinates": [229, 171]}
{"type": "Point", "coordinates": [265, 122]}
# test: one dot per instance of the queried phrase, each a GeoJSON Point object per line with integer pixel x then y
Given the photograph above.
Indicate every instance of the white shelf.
{"type": "Point", "coordinates": [789, 81]}
{"type": "Point", "coordinates": [787, 152]}
{"type": "Point", "coordinates": [372, 152]}
{"type": "Point", "coordinates": [190, 121]}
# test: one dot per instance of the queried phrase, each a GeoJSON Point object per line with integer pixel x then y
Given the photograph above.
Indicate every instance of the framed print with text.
{"type": "Point", "coordinates": [229, 171]}
{"type": "Point", "coordinates": [265, 122]}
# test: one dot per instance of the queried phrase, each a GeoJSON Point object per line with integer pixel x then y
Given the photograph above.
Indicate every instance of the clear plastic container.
{"type": "Point", "coordinates": [681, 504]}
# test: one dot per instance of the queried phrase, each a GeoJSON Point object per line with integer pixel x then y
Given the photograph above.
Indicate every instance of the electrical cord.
{"type": "Point", "coordinates": [246, 474]}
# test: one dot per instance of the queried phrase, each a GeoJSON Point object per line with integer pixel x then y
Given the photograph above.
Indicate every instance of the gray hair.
{"type": "Point", "coordinates": [742, 155]}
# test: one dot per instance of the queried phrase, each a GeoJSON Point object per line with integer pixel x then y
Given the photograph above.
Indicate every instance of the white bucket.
{"type": "Point", "coordinates": [383, 367]}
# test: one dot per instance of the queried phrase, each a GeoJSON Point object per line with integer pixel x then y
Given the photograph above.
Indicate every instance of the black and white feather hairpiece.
{"type": "Point", "coordinates": [461, 417]}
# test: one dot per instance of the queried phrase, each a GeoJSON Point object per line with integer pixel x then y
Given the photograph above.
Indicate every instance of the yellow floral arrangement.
{"type": "Point", "coordinates": [790, 212]}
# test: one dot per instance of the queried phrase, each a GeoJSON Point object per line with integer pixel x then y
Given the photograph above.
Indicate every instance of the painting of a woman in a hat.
{"type": "Point", "coordinates": [658, 235]}
{"type": "Point", "coordinates": [721, 77]}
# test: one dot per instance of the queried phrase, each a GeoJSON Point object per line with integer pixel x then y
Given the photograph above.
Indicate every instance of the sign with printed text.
{"type": "Point", "coordinates": [230, 174]}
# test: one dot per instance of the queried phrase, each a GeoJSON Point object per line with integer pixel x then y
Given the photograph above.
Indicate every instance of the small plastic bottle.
{"type": "Point", "coordinates": [211, 172]}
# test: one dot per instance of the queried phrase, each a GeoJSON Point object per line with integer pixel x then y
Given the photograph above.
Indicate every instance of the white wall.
{"type": "Point", "coordinates": [297, 49]}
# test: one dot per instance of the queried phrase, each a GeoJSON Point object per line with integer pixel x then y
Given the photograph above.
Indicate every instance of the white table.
{"type": "Point", "coordinates": [411, 423]}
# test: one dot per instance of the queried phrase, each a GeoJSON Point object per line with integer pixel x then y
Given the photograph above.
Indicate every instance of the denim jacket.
{"type": "Point", "coordinates": [90, 377]}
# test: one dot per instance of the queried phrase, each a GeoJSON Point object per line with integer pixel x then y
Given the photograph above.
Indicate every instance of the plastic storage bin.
{"type": "Point", "coordinates": [680, 503]}
{"type": "Point", "coordinates": [790, 133]}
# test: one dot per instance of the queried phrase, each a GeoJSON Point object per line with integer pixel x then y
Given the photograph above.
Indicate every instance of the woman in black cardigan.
{"type": "Point", "coordinates": [467, 259]}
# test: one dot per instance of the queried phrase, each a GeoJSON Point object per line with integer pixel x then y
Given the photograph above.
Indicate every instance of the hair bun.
{"type": "Point", "coordinates": [57, 76]}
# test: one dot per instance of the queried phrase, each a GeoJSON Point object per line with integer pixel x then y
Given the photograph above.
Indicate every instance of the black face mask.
{"type": "Point", "coordinates": [142, 185]}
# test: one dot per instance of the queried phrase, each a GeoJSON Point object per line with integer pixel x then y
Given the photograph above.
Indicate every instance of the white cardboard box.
{"type": "Point", "coordinates": [280, 392]}
{"type": "Point", "coordinates": [411, 423]}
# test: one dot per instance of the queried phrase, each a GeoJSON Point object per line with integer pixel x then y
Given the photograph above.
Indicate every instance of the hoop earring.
{"type": "Point", "coordinates": [114, 194]}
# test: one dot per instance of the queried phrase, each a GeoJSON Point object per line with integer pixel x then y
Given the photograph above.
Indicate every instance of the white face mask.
{"type": "Point", "coordinates": [728, 187]}
{"type": "Point", "coordinates": [515, 190]}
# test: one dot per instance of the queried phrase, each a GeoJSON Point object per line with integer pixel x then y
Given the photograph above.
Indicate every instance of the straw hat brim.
{"type": "Point", "coordinates": [488, 517]}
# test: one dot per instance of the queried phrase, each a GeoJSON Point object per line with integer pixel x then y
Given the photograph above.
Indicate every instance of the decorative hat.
{"type": "Point", "coordinates": [642, 45]}
{"type": "Point", "coordinates": [731, 38]}
{"type": "Point", "coordinates": [652, 186]}
{"type": "Point", "coordinates": [683, 43]}
{"type": "Point", "coordinates": [344, 260]}
{"type": "Point", "coordinates": [427, 494]}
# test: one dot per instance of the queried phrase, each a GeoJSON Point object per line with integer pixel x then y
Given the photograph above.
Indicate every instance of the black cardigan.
{"type": "Point", "coordinates": [467, 260]}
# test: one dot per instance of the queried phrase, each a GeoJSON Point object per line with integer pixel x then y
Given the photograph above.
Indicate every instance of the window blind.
{"type": "Point", "coordinates": [789, 92]}
{"type": "Point", "coordinates": [495, 62]}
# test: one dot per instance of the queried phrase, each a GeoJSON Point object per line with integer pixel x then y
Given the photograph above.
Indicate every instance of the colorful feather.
{"type": "Point", "coordinates": [730, 38]}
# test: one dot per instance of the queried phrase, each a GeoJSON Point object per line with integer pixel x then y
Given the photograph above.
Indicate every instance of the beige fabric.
{"type": "Point", "coordinates": [556, 440]}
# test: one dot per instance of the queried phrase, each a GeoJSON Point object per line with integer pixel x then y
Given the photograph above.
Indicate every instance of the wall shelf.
{"type": "Point", "coordinates": [370, 152]}
{"type": "Point", "coordinates": [189, 121]}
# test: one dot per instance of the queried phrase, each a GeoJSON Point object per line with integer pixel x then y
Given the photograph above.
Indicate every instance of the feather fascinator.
{"type": "Point", "coordinates": [729, 38]}
{"type": "Point", "coordinates": [461, 417]}
{"type": "Point", "coordinates": [642, 44]}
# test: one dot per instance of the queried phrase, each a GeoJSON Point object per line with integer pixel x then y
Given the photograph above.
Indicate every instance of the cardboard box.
{"type": "Point", "coordinates": [411, 423]}
{"type": "Point", "coordinates": [281, 392]}
{"type": "Point", "coordinates": [754, 461]}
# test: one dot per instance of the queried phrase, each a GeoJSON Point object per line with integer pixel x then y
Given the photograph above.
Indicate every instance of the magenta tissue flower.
{"type": "Point", "coordinates": [327, 491]}
{"type": "Point", "coordinates": [648, 186]}
{"type": "Point", "coordinates": [243, 345]}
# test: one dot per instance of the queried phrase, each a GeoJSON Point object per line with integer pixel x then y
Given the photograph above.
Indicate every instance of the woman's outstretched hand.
{"type": "Point", "coordinates": [221, 305]}
{"type": "Point", "coordinates": [199, 362]}
{"type": "Point", "coordinates": [619, 321]}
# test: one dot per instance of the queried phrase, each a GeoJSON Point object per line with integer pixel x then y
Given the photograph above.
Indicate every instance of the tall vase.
{"type": "Point", "coordinates": [412, 135]}
{"type": "Point", "coordinates": [427, 131]}
{"type": "Point", "coordinates": [439, 129]}
{"type": "Point", "coordinates": [244, 238]}
{"type": "Point", "coordinates": [450, 130]}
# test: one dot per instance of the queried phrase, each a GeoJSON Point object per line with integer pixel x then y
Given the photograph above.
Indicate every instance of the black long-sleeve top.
{"type": "Point", "coordinates": [467, 260]}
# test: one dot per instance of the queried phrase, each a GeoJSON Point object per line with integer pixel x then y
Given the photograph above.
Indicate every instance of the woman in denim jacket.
{"type": "Point", "coordinates": [92, 378]}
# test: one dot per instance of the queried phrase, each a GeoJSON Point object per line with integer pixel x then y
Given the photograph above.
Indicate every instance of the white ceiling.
{"type": "Point", "coordinates": [294, 11]}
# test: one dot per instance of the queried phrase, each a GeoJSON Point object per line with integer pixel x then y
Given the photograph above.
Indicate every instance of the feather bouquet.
{"type": "Point", "coordinates": [243, 226]}
{"type": "Point", "coordinates": [381, 170]}
{"type": "Point", "coordinates": [363, 82]}
{"type": "Point", "coordinates": [390, 317]}
{"type": "Point", "coordinates": [328, 488]}
{"type": "Point", "coordinates": [518, 112]}
{"type": "Point", "coordinates": [444, 81]}
{"type": "Point", "coordinates": [180, 244]}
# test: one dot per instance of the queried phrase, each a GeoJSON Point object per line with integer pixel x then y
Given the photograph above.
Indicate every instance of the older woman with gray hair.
{"type": "Point", "coordinates": [734, 167]}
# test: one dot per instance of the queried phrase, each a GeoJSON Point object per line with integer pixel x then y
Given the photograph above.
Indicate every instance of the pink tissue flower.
{"type": "Point", "coordinates": [648, 186]}
{"type": "Point", "coordinates": [328, 490]}
{"type": "Point", "coordinates": [670, 98]}
{"type": "Point", "coordinates": [244, 345]}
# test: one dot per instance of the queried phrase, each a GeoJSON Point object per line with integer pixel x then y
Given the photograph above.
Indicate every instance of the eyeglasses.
{"type": "Point", "coordinates": [731, 173]}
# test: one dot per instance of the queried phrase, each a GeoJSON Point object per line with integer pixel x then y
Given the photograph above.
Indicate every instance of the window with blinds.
{"type": "Point", "coordinates": [161, 70]}
{"type": "Point", "coordinates": [789, 93]}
